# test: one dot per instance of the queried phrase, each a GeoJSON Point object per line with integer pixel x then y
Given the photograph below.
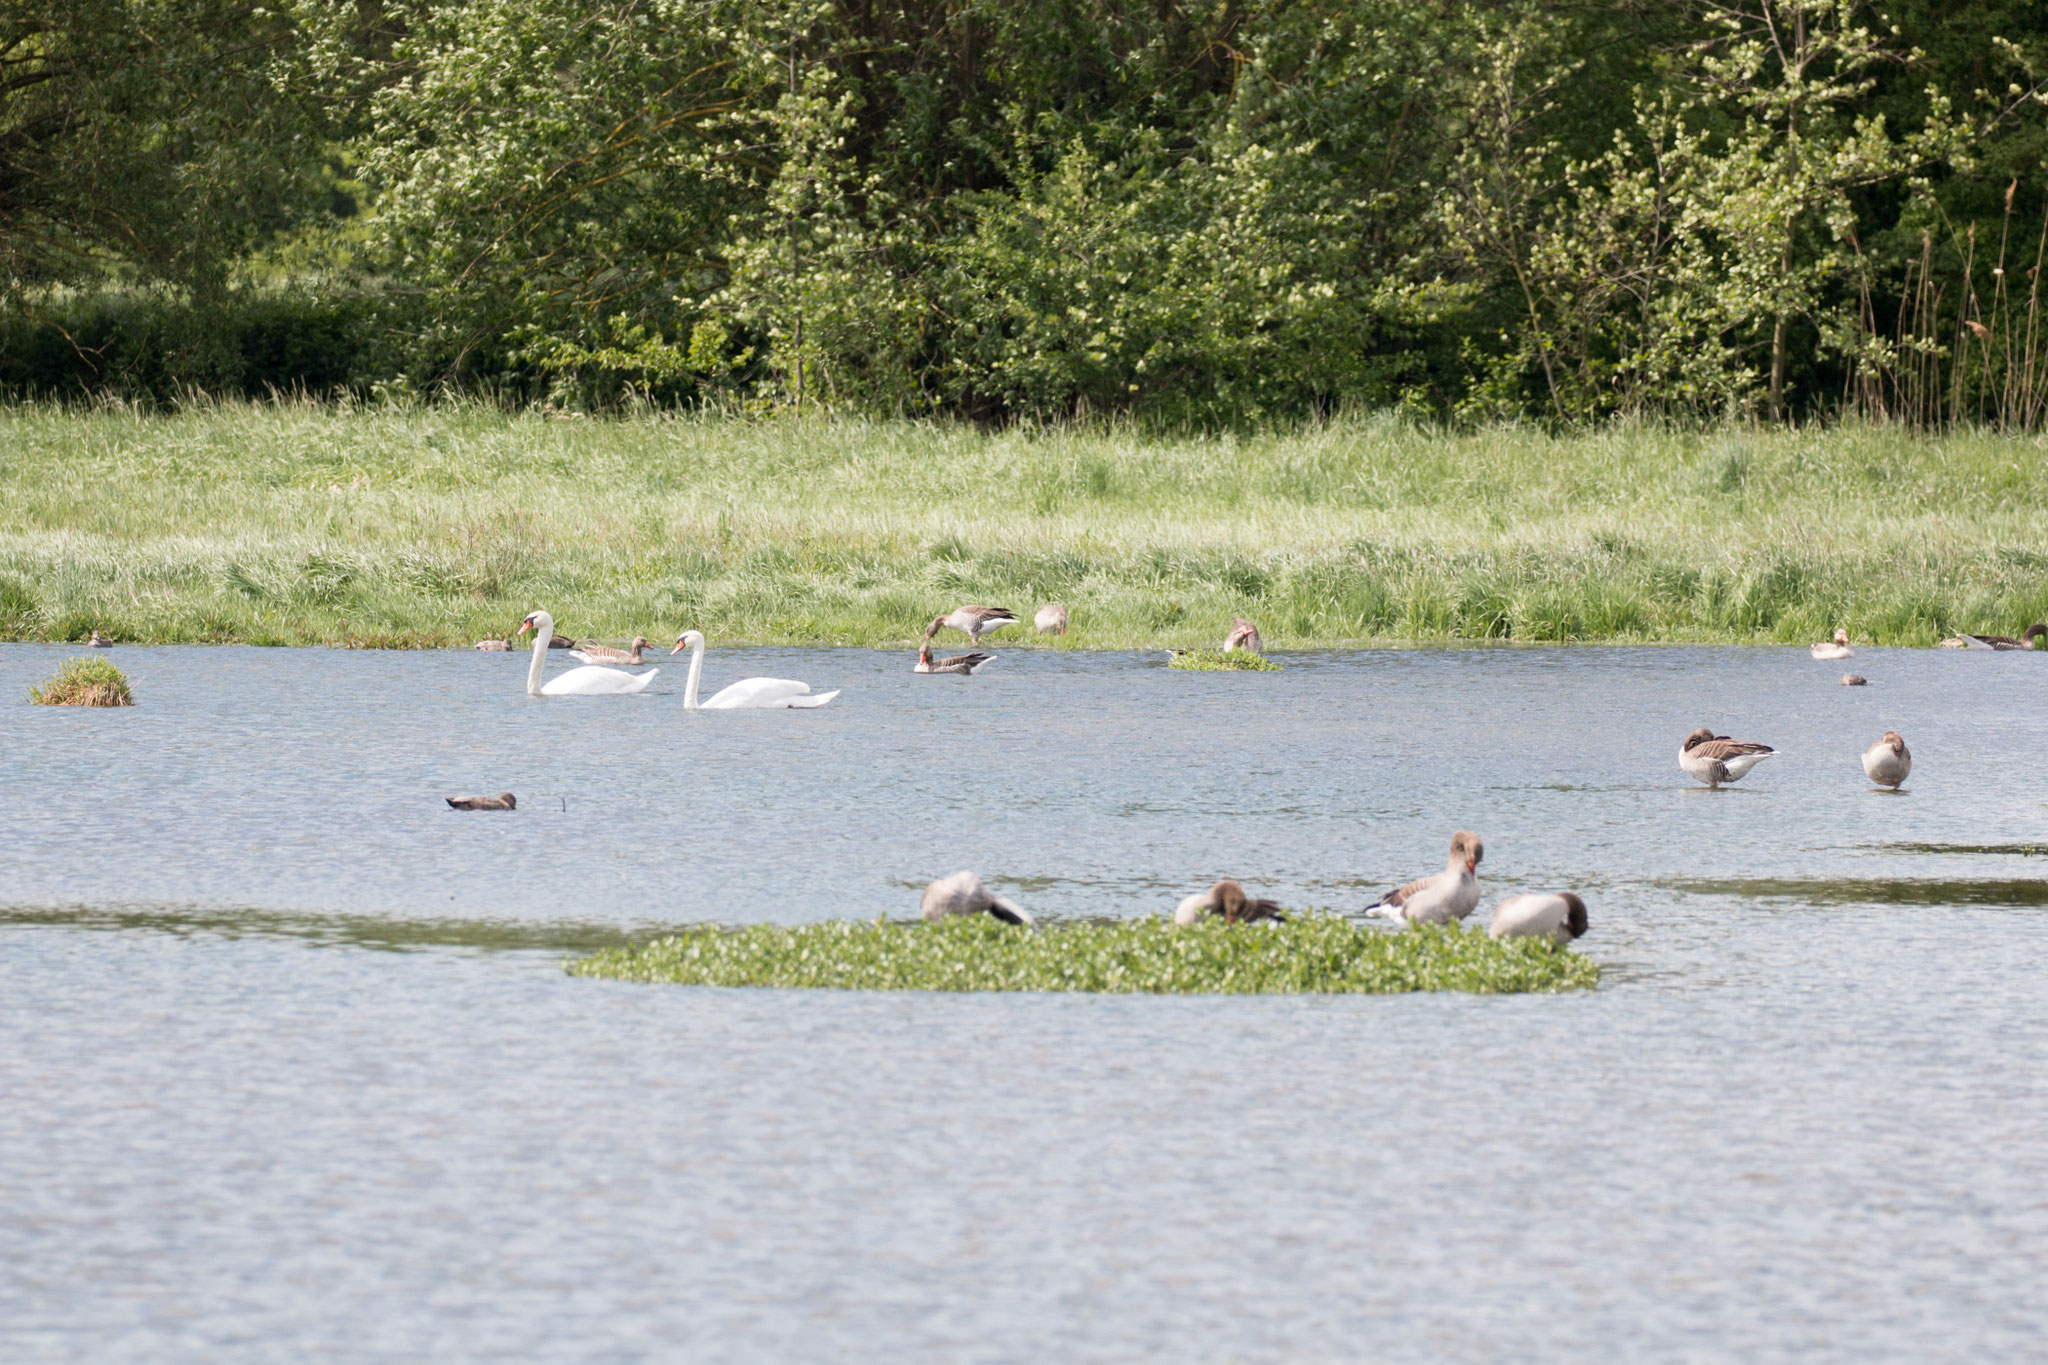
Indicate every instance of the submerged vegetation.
{"type": "Point", "coordinates": [1219, 661]}
{"type": "Point", "coordinates": [1311, 954]}
{"type": "Point", "coordinates": [84, 682]}
{"type": "Point", "coordinates": [441, 525]}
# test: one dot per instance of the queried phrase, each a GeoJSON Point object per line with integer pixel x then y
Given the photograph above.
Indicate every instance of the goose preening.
{"type": "Point", "coordinates": [975, 622]}
{"type": "Point", "coordinates": [963, 894]}
{"type": "Point", "coordinates": [502, 801]}
{"type": "Point", "coordinates": [99, 641]}
{"type": "Point", "coordinates": [494, 646]}
{"type": "Point", "coordinates": [1854, 680]}
{"type": "Point", "coordinates": [1450, 894]}
{"type": "Point", "coordinates": [1227, 898]}
{"type": "Point", "coordinates": [1560, 917]}
{"type": "Point", "coordinates": [1888, 761]}
{"type": "Point", "coordinates": [1243, 635]}
{"type": "Point", "coordinates": [2026, 640]}
{"type": "Point", "coordinates": [585, 681]}
{"type": "Point", "coordinates": [756, 694]}
{"type": "Point", "coordinates": [1714, 759]}
{"type": "Point", "coordinates": [1838, 648]}
{"type": "Point", "coordinates": [1051, 619]}
{"type": "Point", "coordinates": [605, 654]}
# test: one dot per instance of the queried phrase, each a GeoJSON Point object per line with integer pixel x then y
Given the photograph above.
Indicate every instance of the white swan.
{"type": "Point", "coordinates": [750, 693]}
{"type": "Point", "coordinates": [587, 681]}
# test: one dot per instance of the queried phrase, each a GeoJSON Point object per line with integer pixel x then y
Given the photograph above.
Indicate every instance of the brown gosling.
{"type": "Point", "coordinates": [1888, 761]}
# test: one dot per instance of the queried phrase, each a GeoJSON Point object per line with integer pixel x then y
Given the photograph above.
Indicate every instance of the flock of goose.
{"type": "Point", "coordinates": [1444, 897]}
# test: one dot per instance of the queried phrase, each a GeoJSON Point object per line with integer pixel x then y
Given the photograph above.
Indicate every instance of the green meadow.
{"type": "Point", "coordinates": [1320, 954]}
{"type": "Point", "coordinates": [437, 525]}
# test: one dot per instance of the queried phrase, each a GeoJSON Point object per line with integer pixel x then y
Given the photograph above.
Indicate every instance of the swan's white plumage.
{"type": "Point", "coordinates": [758, 694]}
{"type": "Point", "coordinates": [587, 681]}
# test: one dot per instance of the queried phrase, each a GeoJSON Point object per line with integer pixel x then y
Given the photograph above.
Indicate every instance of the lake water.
{"type": "Point", "coordinates": [290, 1068]}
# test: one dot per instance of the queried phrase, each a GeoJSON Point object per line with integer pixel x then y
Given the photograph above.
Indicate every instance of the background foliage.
{"type": "Point", "coordinates": [1196, 214]}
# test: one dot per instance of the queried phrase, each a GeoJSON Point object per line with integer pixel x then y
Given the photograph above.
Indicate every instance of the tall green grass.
{"type": "Point", "coordinates": [289, 524]}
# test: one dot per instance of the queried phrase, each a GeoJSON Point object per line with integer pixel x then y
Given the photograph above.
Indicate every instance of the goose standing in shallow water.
{"type": "Point", "coordinates": [586, 681]}
{"type": "Point", "coordinates": [1451, 894]}
{"type": "Point", "coordinates": [1888, 761]}
{"type": "Point", "coordinates": [1838, 648]}
{"type": "Point", "coordinates": [2026, 640]}
{"type": "Point", "coordinates": [605, 654]}
{"type": "Point", "coordinates": [750, 694]}
{"type": "Point", "coordinates": [1051, 619]}
{"type": "Point", "coordinates": [975, 622]}
{"type": "Point", "coordinates": [1245, 636]}
{"type": "Point", "coordinates": [1227, 898]}
{"type": "Point", "coordinates": [502, 801]}
{"type": "Point", "coordinates": [1559, 918]}
{"type": "Point", "coordinates": [963, 894]}
{"type": "Point", "coordinates": [1714, 759]}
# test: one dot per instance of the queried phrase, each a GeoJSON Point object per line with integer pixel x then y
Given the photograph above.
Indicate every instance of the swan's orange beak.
{"type": "Point", "coordinates": [677, 650]}
{"type": "Point", "coordinates": [524, 626]}
{"type": "Point", "coordinates": [1471, 864]}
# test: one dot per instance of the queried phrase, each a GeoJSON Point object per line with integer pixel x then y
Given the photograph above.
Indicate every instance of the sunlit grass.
{"type": "Point", "coordinates": [297, 524]}
{"type": "Point", "coordinates": [84, 682]}
{"type": "Point", "coordinates": [1308, 955]}
{"type": "Point", "coordinates": [1219, 661]}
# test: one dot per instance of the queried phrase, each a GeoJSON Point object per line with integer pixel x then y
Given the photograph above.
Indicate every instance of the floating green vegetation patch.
{"type": "Point", "coordinates": [1216, 661]}
{"type": "Point", "coordinates": [1311, 954]}
{"type": "Point", "coordinates": [84, 682]}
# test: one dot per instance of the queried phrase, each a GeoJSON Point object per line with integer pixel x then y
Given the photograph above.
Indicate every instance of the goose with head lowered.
{"type": "Point", "coordinates": [587, 681]}
{"type": "Point", "coordinates": [1450, 895]}
{"type": "Point", "coordinates": [750, 694]}
{"type": "Point", "coordinates": [1227, 898]}
{"type": "Point", "coordinates": [1560, 917]}
{"type": "Point", "coordinates": [2025, 641]}
{"type": "Point", "coordinates": [964, 894]}
{"type": "Point", "coordinates": [1714, 759]}
{"type": "Point", "coordinates": [975, 622]}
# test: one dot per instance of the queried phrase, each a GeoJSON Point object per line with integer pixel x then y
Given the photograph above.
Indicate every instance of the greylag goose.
{"type": "Point", "coordinates": [585, 680]}
{"type": "Point", "coordinates": [965, 665]}
{"type": "Point", "coordinates": [1714, 759]}
{"type": "Point", "coordinates": [99, 641]}
{"type": "Point", "coordinates": [1227, 898]}
{"type": "Point", "coordinates": [1051, 619]}
{"type": "Point", "coordinates": [975, 622]}
{"type": "Point", "coordinates": [963, 894]}
{"type": "Point", "coordinates": [1838, 648]}
{"type": "Point", "coordinates": [2026, 640]}
{"type": "Point", "coordinates": [1854, 680]}
{"type": "Point", "coordinates": [494, 646]}
{"type": "Point", "coordinates": [560, 641]}
{"type": "Point", "coordinates": [1451, 894]}
{"type": "Point", "coordinates": [1243, 635]}
{"type": "Point", "coordinates": [502, 801]}
{"type": "Point", "coordinates": [1888, 761]}
{"type": "Point", "coordinates": [1559, 918]}
{"type": "Point", "coordinates": [605, 654]}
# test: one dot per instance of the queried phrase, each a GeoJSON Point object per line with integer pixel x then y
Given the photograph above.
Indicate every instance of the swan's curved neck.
{"type": "Point", "coordinates": [696, 672]}
{"type": "Point", "coordinates": [543, 632]}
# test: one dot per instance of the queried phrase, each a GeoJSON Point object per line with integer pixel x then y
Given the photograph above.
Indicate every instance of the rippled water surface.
{"type": "Point", "coordinates": [291, 1070]}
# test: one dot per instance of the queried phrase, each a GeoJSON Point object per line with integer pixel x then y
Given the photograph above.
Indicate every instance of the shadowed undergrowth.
{"type": "Point", "coordinates": [300, 524]}
{"type": "Point", "coordinates": [1312, 954]}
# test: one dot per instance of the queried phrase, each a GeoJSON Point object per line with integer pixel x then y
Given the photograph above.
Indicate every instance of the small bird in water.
{"type": "Point", "coordinates": [1888, 761]}
{"type": "Point", "coordinates": [1560, 917]}
{"type": "Point", "coordinates": [493, 646]}
{"type": "Point", "coordinates": [1854, 680]}
{"type": "Point", "coordinates": [966, 665]}
{"type": "Point", "coordinates": [1838, 648]}
{"type": "Point", "coordinates": [1051, 619]}
{"type": "Point", "coordinates": [1450, 894]}
{"type": "Point", "coordinates": [99, 641]}
{"type": "Point", "coordinates": [975, 622]}
{"type": "Point", "coordinates": [1714, 759]}
{"type": "Point", "coordinates": [605, 654]}
{"type": "Point", "coordinates": [502, 801]}
{"type": "Point", "coordinates": [1243, 635]}
{"type": "Point", "coordinates": [560, 642]}
{"type": "Point", "coordinates": [963, 894]}
{"type": "Point", "coordinates": [1227, 898]}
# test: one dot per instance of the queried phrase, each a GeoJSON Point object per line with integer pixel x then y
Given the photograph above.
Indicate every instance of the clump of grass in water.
{"type": "Point", "coordinates": [1311, 954]}
{"type": "Point", "coordinates": [84, 682]}
{"type": "Point", "coordinates": [1216, 661]}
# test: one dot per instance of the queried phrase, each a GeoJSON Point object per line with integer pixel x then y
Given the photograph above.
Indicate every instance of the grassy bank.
{"type": "Point", "coordinates": [300, 524]}
{"type": "Point", "coordinates": [1312, 954]}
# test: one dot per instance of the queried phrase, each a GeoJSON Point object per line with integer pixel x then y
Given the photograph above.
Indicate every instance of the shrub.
{"type": "Point", "coordinates": [1216, 661]}
{"type": "Point", "coordinates": [84, 682]}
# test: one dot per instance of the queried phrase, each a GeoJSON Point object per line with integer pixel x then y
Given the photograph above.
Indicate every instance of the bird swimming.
{"type": "Point", "coordinates": [502, 801]}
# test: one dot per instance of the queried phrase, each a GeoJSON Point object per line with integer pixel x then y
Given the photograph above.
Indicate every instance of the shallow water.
{"type": "Point", "coordinates": [292, 1069]}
